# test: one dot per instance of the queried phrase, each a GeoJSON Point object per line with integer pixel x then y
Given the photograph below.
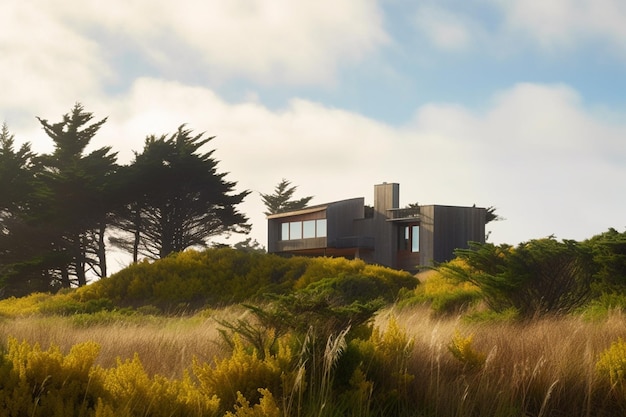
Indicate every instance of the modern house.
{"type": "Point", "coordinates": [401, 238]}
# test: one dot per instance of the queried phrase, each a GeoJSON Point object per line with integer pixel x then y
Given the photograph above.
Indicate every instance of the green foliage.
{"type": "Point", "coordinates": [538, 277]}
{"type": "Point", "coordinates": [282, 199]}
{"type": "Point", "coordinates": [219, 276]}
{"type": "Point", "coordinates": [176, 199]}
{"type": "Point", "coordinates": [599, 308]}
{"type": "Point", "coordinates": [609, 254]}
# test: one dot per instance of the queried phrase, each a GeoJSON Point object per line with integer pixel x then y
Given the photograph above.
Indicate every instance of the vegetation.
{"type": "Point", "coordinates": [57, 209]}
{"type": "Point", "coordinates": [282, 199]}
{"type": "Point", "coordinates": [227, 332]}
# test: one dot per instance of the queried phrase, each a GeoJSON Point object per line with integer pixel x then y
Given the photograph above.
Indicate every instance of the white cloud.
{"type": "Point", "coordinates": [545, 161]}
{"type": "Point", "coordinates": [279, 41]}
{"type": "Point", "coordinates": [44, 63]}
{"type": "Point", "coordinates": [558, 23]}
{"type": "Point", "coordinates": [548, 164]}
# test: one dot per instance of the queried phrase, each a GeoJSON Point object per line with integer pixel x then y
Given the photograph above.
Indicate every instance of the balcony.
{"type": "Point", "coordinates": [409, 213]}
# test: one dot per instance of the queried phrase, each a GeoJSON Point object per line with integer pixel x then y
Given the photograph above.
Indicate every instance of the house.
{"type": "Point", "coordinates": [401, 238]}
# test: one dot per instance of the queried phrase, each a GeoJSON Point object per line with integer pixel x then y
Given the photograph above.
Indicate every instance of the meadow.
{"type": "Point", "coordinates": [317, 346]}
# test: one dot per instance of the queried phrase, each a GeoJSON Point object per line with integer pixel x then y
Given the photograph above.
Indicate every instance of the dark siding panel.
{"type": "Point", "coordinates": [454, 228]}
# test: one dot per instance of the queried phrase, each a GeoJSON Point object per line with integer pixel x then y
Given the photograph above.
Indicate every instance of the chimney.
{"type": "Point", "coordinates": [386, 196]}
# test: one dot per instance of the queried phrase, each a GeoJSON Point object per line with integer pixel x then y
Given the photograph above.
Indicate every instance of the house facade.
{"type": "Point", "coordinates": [401, 238]}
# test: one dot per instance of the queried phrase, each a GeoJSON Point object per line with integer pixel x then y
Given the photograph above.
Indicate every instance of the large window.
{"type": "Point", "coordinates": [409, 238]}
{"type": "Point", "coordinates": [306, 229]}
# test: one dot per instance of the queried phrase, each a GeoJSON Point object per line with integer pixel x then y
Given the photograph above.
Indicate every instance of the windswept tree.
{"type": "Point", "coordinates": [74, 195]}
{"type": "Point", "coordinates": [176, 198]}
{"type": "Point", "coordinates": [18, 253]}
{"type": "Point", "coordinates": [282, 199]}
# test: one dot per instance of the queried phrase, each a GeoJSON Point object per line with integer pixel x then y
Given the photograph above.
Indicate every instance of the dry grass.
{"type": "Point", "coordinates": [165, 346]}
{"type": "Point", "coordinates": [545, 367]}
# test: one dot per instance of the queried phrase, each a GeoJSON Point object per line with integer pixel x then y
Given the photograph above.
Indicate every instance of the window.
{"type": "Point", "coordinates": [321, 228]}
{"type": "Point", "coordinates": [306, 229]}
{"type": "Point", "coordinates": [295, 230]}
{"type": "Point", "coordinates": [415, 238]}
{"type": "Point", "coordinates": [409, 238]}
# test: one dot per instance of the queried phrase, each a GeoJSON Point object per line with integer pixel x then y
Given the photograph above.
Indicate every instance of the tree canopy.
{"type": "Point", "coordinates": [178, 198]}
{"type": "Point", "coordinates": [282, 199]}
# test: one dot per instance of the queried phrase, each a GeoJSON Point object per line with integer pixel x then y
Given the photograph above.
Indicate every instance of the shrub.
{"type": "Point", "coordinates": [445, 294]}
{"type": "Point", "coordinates": [612, 363]}
{"type": "Point", "coordinates": [385, 362]}
{"type": "Point", "coordinates": [127, 390]}
{"type": "Point", "coordinates": [538, 277]}
{"type": "Point", "coordinates": [46, 382]}
{"type": "Point", "coordinates": [463, 350]}
{"type": "Point", "coordinates": [243, 373]}
{"type": "Point", "coordinates": [265, 408]}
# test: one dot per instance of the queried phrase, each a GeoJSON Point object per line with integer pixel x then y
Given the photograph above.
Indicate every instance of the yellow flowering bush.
{"type": "Point", "coordinates": [265, 408]}
{"type": "Point", "coordinates": [244, 372]}
{"type": "Point", "coordinates": [462, 349]}
{"type": "Point", "coordinates": [612, 363]}
{"type": "Point", "coordinates": [46, 382]}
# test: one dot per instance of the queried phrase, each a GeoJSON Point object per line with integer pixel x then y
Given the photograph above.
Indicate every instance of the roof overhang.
{"type": "Point", "coordinates": [307, 210]}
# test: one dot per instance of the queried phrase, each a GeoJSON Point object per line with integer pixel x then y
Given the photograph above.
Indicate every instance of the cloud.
{"type": "Point", "coordinates": [548, 163]}
{"type": "Point", "coordinates": [559, 23]}
{"type": "Point", "coordinates": [44, 63]}
{"type": "Point", "coordinates": [536, 152]}
{"type": "Point", "coordinates": [277, 42]}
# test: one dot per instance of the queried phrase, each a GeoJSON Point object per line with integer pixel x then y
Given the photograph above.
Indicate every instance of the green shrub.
{"type": "Point", "coordinates": [538, 277]}
{"type": "Point", "coordinates": [222, 276]}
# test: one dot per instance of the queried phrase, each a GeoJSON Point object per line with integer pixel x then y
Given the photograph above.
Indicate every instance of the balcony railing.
{"type": "Point", "coordinates": [403, 213]}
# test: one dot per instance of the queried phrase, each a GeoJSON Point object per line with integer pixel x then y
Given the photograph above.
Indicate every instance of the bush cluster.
{"type": "Point", "coordinates": [223, 276]}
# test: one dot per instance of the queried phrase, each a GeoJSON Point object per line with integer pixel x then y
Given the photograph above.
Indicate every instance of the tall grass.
{"type": "Point", "coordinates": [541, 368]}
{"type": "Point", "coordinates": [166, 346]}
{"type": "Point", "coordinates": [546, 367]}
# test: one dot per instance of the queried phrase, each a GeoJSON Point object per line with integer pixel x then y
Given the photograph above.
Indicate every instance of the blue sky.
{"type": "Point", "coordinates": [517, 104]}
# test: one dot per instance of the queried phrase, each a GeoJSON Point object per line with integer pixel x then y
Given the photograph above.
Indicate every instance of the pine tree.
{"type": "Point", "coordinates": [177, 198]}
{"type": "Point", "coordinates": [281, 200]}
{"type": "Point", "coordinates": [74, 195]}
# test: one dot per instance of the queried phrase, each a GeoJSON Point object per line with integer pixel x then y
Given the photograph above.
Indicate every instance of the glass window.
{"type": "Point", "coordinates": [321, 228]}
{"type": "Point", "coordinates": [415, 238]}
{"type": "Point", "coordinates": [308, 229]}
{"type": "Point", "coordinates": [284, 231]}
{"type": "Point", "coordinates": [295, 230]}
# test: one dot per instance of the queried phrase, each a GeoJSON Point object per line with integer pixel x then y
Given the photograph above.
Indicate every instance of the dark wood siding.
{"type": "Point", "coordinates": [454, 228]}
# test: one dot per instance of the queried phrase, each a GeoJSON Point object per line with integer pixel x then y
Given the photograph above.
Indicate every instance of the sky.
{"type": "Point", "coordinates": [515, 104]}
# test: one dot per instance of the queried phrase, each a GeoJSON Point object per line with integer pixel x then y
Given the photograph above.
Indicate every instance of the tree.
{"type": "Point", "coordinates": [74, 195]}
{"type": "Point", "coordinates": [18, 251]}
{"type": "Point", "coordinates": [281, 200]}
{"type": "Point", "coordinates": [179, 198]}
{"type": "Point", "coordinates": [609, 254]}
{"type": "Point", "coordinates": [16, 174]}
{"type": "Point", "coordinates": [492, 216]}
